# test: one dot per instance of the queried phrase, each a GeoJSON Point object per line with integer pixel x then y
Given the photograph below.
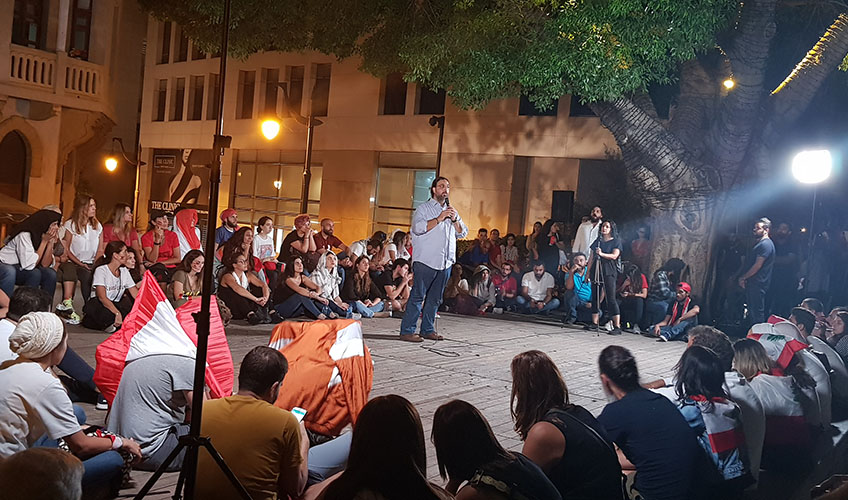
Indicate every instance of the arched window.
{"type": "Point", "coordinates": [15, 164]}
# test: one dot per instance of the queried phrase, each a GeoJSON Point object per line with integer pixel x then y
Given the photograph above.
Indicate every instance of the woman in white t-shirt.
{"type": "Point", "coordinates": [83, 241]}
{"type": "Point", "coordinates": [263, 249]}
{"type": "Point", "coordinates": [398, 248]}
{"type": "Point", "coordinates": [109, 302]}
{"type": "Point", "coordinates": [27, 256]}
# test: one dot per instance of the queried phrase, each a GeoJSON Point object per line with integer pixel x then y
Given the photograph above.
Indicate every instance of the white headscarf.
{"type": "Point", "coordinates": [36, 335]}
{"type": "Point", "coordinates": [329, 281]}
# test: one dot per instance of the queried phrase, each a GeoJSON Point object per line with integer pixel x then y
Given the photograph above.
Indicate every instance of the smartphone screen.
{"type": "Point", "coordinates": [298, 413]}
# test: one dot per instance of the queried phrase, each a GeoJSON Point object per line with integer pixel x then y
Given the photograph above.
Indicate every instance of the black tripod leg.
{"type": "Point", "coordinates": [225, 469]}
{"type": "Point", "coordinates": [159, 471]}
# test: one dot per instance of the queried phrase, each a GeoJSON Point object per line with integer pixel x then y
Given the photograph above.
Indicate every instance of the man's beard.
{"type": "Point", "coordinates": [594, 218]}
{"type": "Point", "coordinates": [231, 225]}
{"type": "Point", "coordinates": [328, 232]}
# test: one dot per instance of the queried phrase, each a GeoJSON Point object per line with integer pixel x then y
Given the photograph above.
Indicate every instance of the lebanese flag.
{"type": "Point", "coordinates": [153, 327]}
{"type": "Point", "coordinates": [330, 371]}
{"type": "Point", "coordinates": [775, 319]}
{"type": "Point", "coordinates": [780, 348]}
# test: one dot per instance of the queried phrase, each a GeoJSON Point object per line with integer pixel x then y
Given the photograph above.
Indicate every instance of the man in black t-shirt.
{"type": "Point", "coordinates": [682, 314]}
{"type": "Point", "coordinates": [394, 284]}
{"type": "Point", "coordinates": [650, 431]}
{"type": "Point", "coordinates": [757, 278]}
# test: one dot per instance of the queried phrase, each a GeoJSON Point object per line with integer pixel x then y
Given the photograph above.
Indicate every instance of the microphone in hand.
{"type": "Point", "coordinates": [447, 204]}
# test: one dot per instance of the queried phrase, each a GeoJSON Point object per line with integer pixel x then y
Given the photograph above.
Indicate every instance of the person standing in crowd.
{"type": "Point", "coordinates": [435, 228]}
{"type": "Point", "coordinates": [187, 281]}
{"type": "Point", "coordinates": [27, 256]}
{"type": "Point", "coordinates": [784, 286]}
{"type": "Point", "coordinates": [548, 246]}
{"type": "Point", "coordinates": [109, 303]}
{"type": "Point", "coordinates": [38, 412]}
{"type": "Point", "coordinates": [578, 289]}
{"type": "Point", "coordinates": [161, 247]}
{"type": "Point", "coordinates": [562, 438]}
{"type": "Point", "coordinates": [531, 241]}
{"type": "Point", "coordinates": [120, 228]}
{"type": "Point", "coordinates": [640, 248]}
{"type": "Point", "coordinates": [606, 252]}
{"type": "Point", "coordinates": [185, 227]}
{"type": "Point", "coordinates": [83, 243]}
{"type": "Point", "coordinates": [587, 232]}
{"type": "Point", "coordinates": [756, 279]}
{"type": "Point", "coordinates": [229, 224]}
{"type": "Point", "coordinates": [470, 457]}
{"type": "Point", "coordinates": [301, 242]}
{"type": "Point", "coordinates": [651, 433]}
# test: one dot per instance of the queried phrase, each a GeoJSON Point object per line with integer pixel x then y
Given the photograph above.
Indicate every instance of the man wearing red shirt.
{"type": "Point", "coordinates": [506, 287]}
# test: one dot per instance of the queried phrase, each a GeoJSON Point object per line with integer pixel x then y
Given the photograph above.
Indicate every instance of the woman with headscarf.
{"type": "Point", "coordinates": [39, 411]}
{"type": "Point", "coordinates": [326, 276]}
{"type": "Point", "coordinates": [27, 257]}
{"type": "Point", "coordinates": [188, 234]}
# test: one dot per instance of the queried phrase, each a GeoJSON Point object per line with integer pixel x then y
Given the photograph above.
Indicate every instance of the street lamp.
{"type": "Point", "coordinates": [111, 163]}
{"type": "Point", "coordinates": [271, 127]}
{"type": "Point", "coordinates": [812, 167]}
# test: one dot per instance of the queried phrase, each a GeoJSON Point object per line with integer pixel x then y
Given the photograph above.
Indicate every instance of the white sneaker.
{"type": "Point", "coordinates": [73, 318]}
{"type": "Point", "coordinates": [65, 305]}
{"type": "Point", "coordinates": [637, 330]}
{"type": "Point", "coordinates": [111, 329]}
{"type": "Point", "coordinates": [608, 327]}
{"type": "Point", "coordinates": [497, 310]}
{"type": "Point", "coordinates": [437, 316]}
{"type": "Point", "coordinates": [356, 316]}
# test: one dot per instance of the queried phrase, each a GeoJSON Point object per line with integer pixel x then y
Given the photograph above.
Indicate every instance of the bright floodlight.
{"type": "Point", "coordinates": [111, 163]}
{"type": "Point", "coordinates": [812, 167]}
{"type": "Point", "coordinates": [270, 129]}
{"type": "Point", "coordinates": [729, 83]}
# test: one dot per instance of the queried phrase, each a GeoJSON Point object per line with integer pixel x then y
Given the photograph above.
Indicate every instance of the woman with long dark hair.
{"type": "Point", "coordinates": [187, 281]}
{"type": "Point", "coordinates": [387, 458]}
{"type": "Point", "coordinates": [632, 292]}
{"type": "Point", "coordinates": [120, 228]}
{"type": "Point", "coordinates": [562, 438]}
{"type": "Point", "coordinates": [161, 247]}
{"type": "Point", "coordinates": [468, 452]}
{"type": "Point", "coordinates": [605, 252]}
{"type": "Point", "coordinates": [704, 403]}
{"type": "Point", "coordinates": [361, 292]}
{"type": "Point", "coordinates": [297, 294]}
{"type": "Point", "coordinates": [263, 249]}
{"type": "Point", "coordinates": [109, 301]}
{"type": "Point", "coordinates": [236, 288]}
{"type": "Point", "coordinates": [27, 257]}
{"type": "Point", "coordinates": [397, 248]}
{"type": "Point", "coordinates": [83, 243]}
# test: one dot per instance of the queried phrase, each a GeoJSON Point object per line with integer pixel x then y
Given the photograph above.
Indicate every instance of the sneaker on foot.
{"type": "Point", "coordinates": [614, 331]}
{"type": "Point", "coordinates": [437, 316]}
{"type": "Point", "coordinates": [356, 316]}
{"type": "Point", "coordinates": [608, 327]}
{"type": "Point", "coordinates": [662, 338]}
{"type": "Point", "coordinates": [636, 330]}
{"type": "Point", "coordinates": [497, 310]}
{"type": "Point", "coordinates": [101, 405]}
{"type": "Point", "coordinates": [65, 305]}
{"type": "Point", "coordinates": [253, 318]}
{"type": "Point", "coordinates": [73, 319]}
{"type": "Point", "coordinates": [111, 329]}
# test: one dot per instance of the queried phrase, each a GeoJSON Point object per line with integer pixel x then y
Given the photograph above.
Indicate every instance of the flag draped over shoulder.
{"type": "Point", "coordinates": [330, 372]}
{"type": "Point", "coordinates": [153, 327]}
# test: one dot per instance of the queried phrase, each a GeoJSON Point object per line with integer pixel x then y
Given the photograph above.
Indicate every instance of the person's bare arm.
{"type": "Point", "coordinates": [545, 446]}
{"type": "Point", "coordinates": [302, 243]}
{"type": "Point", "coordinates": [133, 291]}
{"type": "Point", "coordinates": [643, 294]}
{"type": "Point", "coordinates": [549, 295]}
{"type": "Point", "coordinates": [755, 268]}
{"type": "Point", "coordinates": [691, 313]}
{"type": "Point", "coordinates": [255, 281]}
{"type": "Point", "coordinates": [230, 282]}
{"type": "Point", "coordinates": [175, 257]}
{"type": "Point", "coordinates": [100, 293]}
{"type": "Point", "coordinates": [84, 447]}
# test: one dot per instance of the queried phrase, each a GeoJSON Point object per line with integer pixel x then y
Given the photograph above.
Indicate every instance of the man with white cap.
{"type": "Point", "coordinates": [38, 411]}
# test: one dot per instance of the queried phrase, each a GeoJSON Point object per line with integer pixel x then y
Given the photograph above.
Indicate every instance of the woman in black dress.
{"type": "Point", "coordinates": [605, 252]}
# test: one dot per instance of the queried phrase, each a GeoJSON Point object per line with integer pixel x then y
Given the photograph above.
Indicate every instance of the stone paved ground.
{"type": "Point", "coordinates": [472, 364]}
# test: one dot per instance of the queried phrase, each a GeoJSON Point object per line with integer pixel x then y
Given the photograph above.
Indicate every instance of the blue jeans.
{"type": "Point", "coordinates": [39, 277]}
{"type": "Point", "coordinates": [524, 306]}
{"type": "Point", "coordinates": [428, 284]}
{"type": "Point", "coordinates": [755, 297]}
{"type": "Point", "coordinates": [574, 302]}
{"type": "Point", "coordinates": [365, 311]}
{"type": "Point", "coordinates": [655, 311]}
{"type": "Point", "coordinates": [297, 305]}
{"type": "Point", "coordinates": [328, 458]}
{"type": "Point", "coordinates": [333, 307]}
{"type": "Point", "coordinates": [678, 330]}
{"type": "Point", "coordinates": [102, 471]}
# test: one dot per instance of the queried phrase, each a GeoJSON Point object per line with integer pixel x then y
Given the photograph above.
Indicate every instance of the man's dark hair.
{"type": "Point", "coordinates": [261, 368]}
{"type": "Point", "coordinates": [766, 222]}
{"type": "Point", "coordinates": [482, 230]}
{"type": "Point", "coordinates": [400, 263]}
{"type": "Point", "coordinates": [804, 318]}
{"type": "Point", "coordinates": [27, 299]}
{"type": "Point", "coordinates": [537, 263]}
{"type": "Point", "coordinates": [619, 365]}
{"type": "Point", "coordinates": [577, 254]}
{"type": "Point", "coordinates": [436, 181]}
{"type": "Point", "coordinates": [699, 372]}
{"type": "Point", "coordinates": [716, 341]}
{"type": "Point", "coordinates": [813, 304]}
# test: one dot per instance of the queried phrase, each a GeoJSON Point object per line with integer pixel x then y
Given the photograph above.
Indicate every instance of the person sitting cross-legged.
{"type": "Point", "coordinates": [327, 277]}
{"type": "Point", "coordinates": [37, 410]}
{"type": "Point", "coordinates": [537, 288]}
{"type": "Point", "coordinates": [297, 294]}
{"type": "Point", "coordinates": [506, 287]}
{"type": "Point", "coordinates": [482, 289]}
{"type": "Point", "coordinates": [395, 284]}
{"type": "Point", "coordinates": [151, 404]}
{"type": "Point", "coordinates": [470, 455]}
{"type": "Point", "coordinates": [273, 458]}
{"type": "Point", "coordinates": [361, 292]}
{"type": "Point", "coordinates": [235, 291]}
{"type": "Point", "coordinates": [682, 315]}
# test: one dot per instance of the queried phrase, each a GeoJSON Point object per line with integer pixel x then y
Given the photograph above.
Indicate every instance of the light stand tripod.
{"type": "Point", "coordinates": [193, 441]}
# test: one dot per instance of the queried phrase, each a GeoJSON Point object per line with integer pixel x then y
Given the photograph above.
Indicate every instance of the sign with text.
{"type": "Point", "coordinates": [180, 179]}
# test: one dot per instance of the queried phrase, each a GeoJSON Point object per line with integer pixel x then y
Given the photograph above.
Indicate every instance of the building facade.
{"type": "Point", "coordinates": [374, 153]}
{"type": "Point", "coordinates": [72, 81]}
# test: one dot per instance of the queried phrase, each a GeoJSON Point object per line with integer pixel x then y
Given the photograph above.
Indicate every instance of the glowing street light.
{"type": "Point", "coordinates": [812, 167]}
{"type": "Point", "coordinates": [728, 83]}
{"type": "Point", "coordinates": [111, 163]}
{"type": "Point", "coordinates": [270, 128]}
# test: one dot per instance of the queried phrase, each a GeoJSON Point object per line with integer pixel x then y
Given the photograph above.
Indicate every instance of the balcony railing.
{"type": "Point", "coordinates": [33, 67]}
{"type": "Point", "coordinates": [56, 73]}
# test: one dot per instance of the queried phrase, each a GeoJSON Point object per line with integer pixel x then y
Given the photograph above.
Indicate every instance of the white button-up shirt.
{"type": "Point", "coordinates": [435, 248]}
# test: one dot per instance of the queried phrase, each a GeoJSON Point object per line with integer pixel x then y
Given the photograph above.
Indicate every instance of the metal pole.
{"type": "Point", "coordinates": [202, 317]}
{"type": "Point", "coordinates": [307, 164]}
{"type": "Point", "coordinates": [439, 121]}
{"type": "Point", "coordinates": [812, 230]}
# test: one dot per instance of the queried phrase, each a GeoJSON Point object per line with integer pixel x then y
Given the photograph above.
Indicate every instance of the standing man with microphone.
{"type": "Point", "coordinates": [435, 228]}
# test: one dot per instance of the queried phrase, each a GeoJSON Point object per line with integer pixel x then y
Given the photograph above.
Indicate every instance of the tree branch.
{"type": "Point", "coordinates": [694, 103]}
{"type": "Point", "coordinates": [748, 53]}
{"type": "Point", "coordinates": [793, 95]}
